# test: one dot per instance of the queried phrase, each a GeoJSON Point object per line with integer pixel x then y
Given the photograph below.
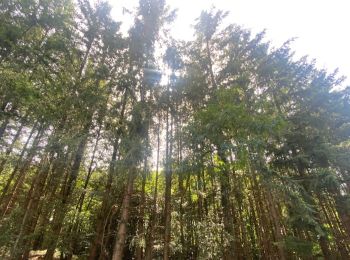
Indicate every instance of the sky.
{"type": "Point", "coordinates": [321, 27]}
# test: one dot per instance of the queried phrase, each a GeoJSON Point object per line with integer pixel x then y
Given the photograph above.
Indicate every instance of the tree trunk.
{"type": "Point", "coordinates": [21, 246]}
{"type": "Point", "coordinates": [66, 191]}
{"type": "Point", "coordinates": [9, 149]}
{"type": "Point", "coordinates": [152, 222]}
{"type": "Point", "coordinates": [210, 64]}
{"type": "Point", "coordinates": [19, 161]}
{"type": "Point", "coordinates": [140, 224]}
{"type": "Point", "coordinates": [167, 197]}
{"type": "Point", "coordinates": [277, 225]}
{"type": "Point", "coordinates": [21, 175]}
{"type": "Point", "coordinates": [124, 219]}
{"type": "Point", "coordinates": [106, 203]}
{"type": "Point", "coordinates": [103, 212]}
{"type": "Point", "coordinates": [44, 210]}
{"type": "Point", "coordinates": [3, 126]}
{"type": "Point", "coordinates": [226, 208]}
{"type": "Point", "coordinates": [81, 200]}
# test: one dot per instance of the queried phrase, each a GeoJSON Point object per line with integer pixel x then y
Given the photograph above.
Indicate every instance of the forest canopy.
{"type": "Point", "coordinates": [140, 146]}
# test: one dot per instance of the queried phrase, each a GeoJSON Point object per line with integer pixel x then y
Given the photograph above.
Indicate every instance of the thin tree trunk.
{"type": "Point", "coordinates": [343, 211]}
{"type": "Point", "coordinates": [22, 174]}
{"type": "Point", "coordinates": [21, 245]}
{"type": "Point", "coordinates": [140, 230]}
{"type": "Point", "coordinates": [106, 203]}
{"type": "Point", "coordinates": [200, 196]}
{"type": "Point", "coordinates": [44, 210]}
{"type": "Point", "coordinates": [81, 200]}
{"type": "Point", "coordinates": [19, 161]}
{"type": "Point", "coordinates": [10, 148]}
{"type": "Point", "coordinates": [210, 64]}
{"type": "Point", "coordinates": [124, 219]}
{"type": "Point", "coordinates": [103, 212]}
{"type": "Point", "coordinates": [66, 191]}
{"type": "Point", "coordinates": [225, 203]}
{"type": "Point", "coordinates": [277, 225]}
{"type": "Point", "coordinates": [167, 197]}
{"type": "Point", "coordinates": [150, 236]}
{"type": "Point", "coordinates": [3, 126]}
{"type": "Point", "coordinates": [322, 240]}
{"type": "Point", "coordinates": [336, 233]}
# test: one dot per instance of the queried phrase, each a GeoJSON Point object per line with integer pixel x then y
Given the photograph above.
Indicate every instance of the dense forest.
{"type": "Point", "coordinates": [134, 145]}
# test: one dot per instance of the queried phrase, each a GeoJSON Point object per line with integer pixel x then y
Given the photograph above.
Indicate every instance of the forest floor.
{"type": "Point", "coordinates": [39, 254]}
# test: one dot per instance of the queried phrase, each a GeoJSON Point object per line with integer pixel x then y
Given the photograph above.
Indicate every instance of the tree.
{"type": "Point", "coordinates": [241, 152]}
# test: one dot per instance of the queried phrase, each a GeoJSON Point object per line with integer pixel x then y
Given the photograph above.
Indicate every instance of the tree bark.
{"type": "Point", "coordinates": [81, 200]}
{"type": "Point", "coordinates": [167, 196]}
{"type": "Point", "coordinates": [21, 174]}
{"type": "Point", "coordinates": [66, 191]}
{"type": "Point", "coordinates": [106, 203]}
{"type": "Point", "coordinates": [124, 219]}
{"type": "Point", "coordinates": [22, 243]}
{"type": "Point", "coordinates": [226, 208]}
{"type": "Point", "coordinates": [19, 161]}
{"type": "Point", "coordinates": [103, 212]}
{"type": "Point", "coordinates": [3, 126]}
{"type": "Point", "coordinates": [150, 236]}
{"type": "Point", "coordinates": [210, 64]}
{"type": "Point", "coordinates": [10, 148]}
{"type": "Point", "coordinates": [140, 224]}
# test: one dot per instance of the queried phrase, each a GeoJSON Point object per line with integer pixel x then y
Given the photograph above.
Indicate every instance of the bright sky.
{"type": "Point", "coordinates": [321, 26]}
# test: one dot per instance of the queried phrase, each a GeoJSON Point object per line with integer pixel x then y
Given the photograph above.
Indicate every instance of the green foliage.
{"type": "Point", "coordinates": [253, 143]}
{"type": "Point", "coordinates": [301, 247]}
